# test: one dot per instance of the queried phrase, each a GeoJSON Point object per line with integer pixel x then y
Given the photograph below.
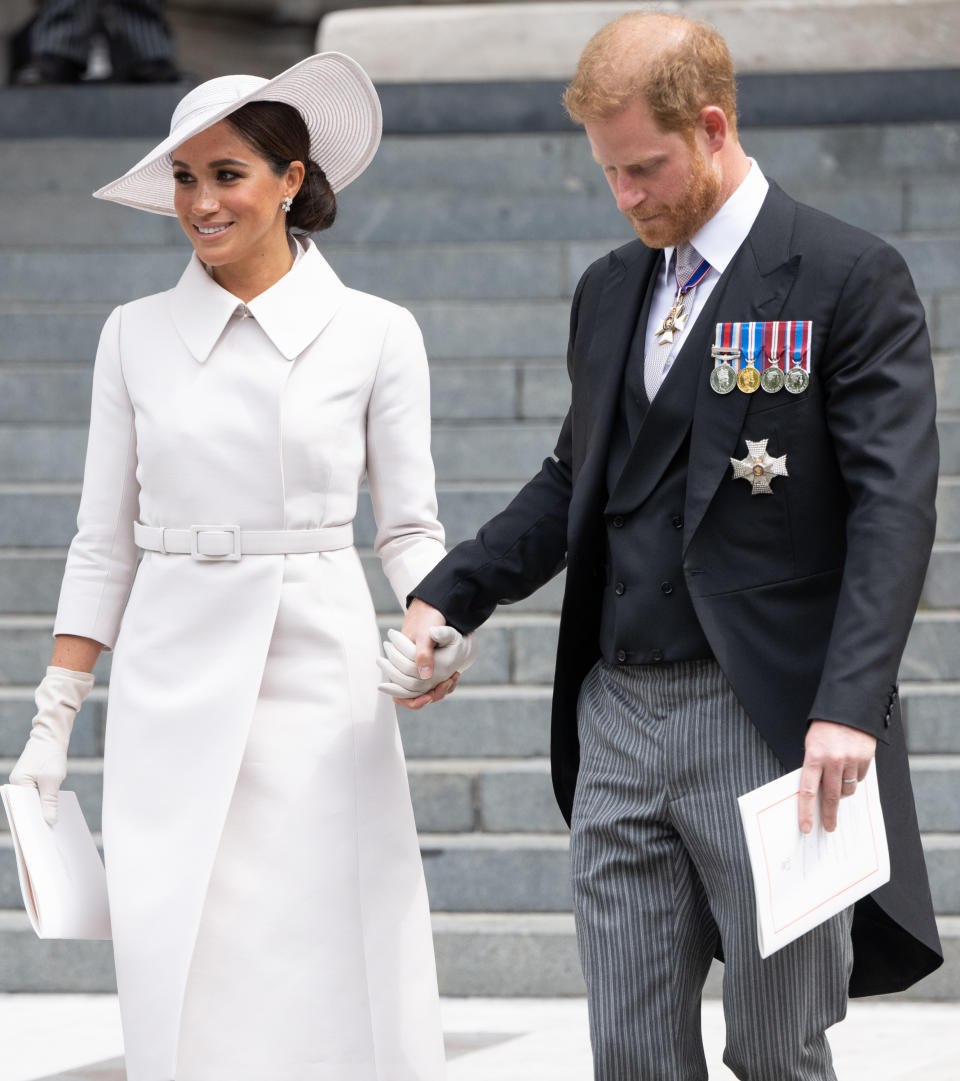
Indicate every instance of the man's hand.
{"type": "Point", "coordinates": [419, 619]}
{"type": "Point", "coordinates": [836, 757]}
{"type": "Point", "coordinates": [416, 627]}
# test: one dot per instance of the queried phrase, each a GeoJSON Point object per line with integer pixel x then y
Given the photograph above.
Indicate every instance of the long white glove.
{"type": "Point", "coordinates": [43, 764]}
{"type": "Point", "coordinates": [455, 652]}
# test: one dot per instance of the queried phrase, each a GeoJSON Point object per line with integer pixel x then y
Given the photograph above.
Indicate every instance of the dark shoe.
{"type": "Point", "coordinates": [46, 69]}
{"type": "Point", "coordinates": [151, 71]}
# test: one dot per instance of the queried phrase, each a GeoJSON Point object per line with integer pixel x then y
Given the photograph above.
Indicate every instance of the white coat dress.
{"type": "Point", "coordinates": [269, 913]}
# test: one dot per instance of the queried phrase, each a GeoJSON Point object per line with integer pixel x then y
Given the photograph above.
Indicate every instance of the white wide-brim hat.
{"type": "Point", "coordinates": [332, 93]}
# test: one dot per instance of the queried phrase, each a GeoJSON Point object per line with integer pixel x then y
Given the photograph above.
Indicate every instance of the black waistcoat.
{"type": "Point", "coordinates": [647, 615]}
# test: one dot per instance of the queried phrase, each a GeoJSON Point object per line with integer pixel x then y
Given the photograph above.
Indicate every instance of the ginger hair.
{"type": "Point", "coordinates": [676, 65]}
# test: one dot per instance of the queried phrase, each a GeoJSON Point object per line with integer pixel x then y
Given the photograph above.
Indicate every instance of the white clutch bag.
{"type": "Point", "coordinates": [62, 878]}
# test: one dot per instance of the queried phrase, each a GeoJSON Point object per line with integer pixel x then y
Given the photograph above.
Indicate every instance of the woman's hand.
{"type": "Point", "coordinates": [43, 764]}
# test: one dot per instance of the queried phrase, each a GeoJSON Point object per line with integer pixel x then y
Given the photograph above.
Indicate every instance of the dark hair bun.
{"type": "Point", "coordinates": [278, 133]}
{"type": "Point", "coordinates": [315, 205]}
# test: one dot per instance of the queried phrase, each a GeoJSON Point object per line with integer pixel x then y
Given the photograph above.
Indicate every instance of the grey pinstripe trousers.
{"type": "Point", "coordinates": [65, 27]}
{"type": "Point", "coordinates": [660, 871]}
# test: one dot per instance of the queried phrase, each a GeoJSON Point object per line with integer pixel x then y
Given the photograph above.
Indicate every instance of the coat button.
{"type": "Point", "coordinates": [677, 521]}
{"type": "Point", "coordinates": [618, 521]}
{"type": "Point", "coordinates": [656, 656]}
{"type": "Point", "coordinates": [621, 655]}
{"type": "Point", "coordinates": [666, 587]}
{"type": "Point", "coordinates": [619, 589]}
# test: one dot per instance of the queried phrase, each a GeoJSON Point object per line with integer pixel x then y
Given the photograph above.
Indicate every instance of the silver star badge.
{"type": "Point", "coordinates": [759, 468]}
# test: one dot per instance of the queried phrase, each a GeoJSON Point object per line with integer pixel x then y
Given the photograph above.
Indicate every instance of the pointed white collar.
{"type": "Point", "coordinates": [292, 312]}
{"type": "Point", "coordinates": [719, 240]}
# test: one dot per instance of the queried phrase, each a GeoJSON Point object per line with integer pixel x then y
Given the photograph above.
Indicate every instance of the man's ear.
{"type": "Point", "coordinates": [712, 121]}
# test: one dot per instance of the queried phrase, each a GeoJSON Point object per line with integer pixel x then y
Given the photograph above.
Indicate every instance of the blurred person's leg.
{"type": "Point", "coordinates": [60, 42]}
{"type": "Point", "coordinates": [141, 42]}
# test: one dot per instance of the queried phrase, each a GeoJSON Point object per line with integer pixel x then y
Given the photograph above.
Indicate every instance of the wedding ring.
{"type": "Point", "coordinates": [849, 780]}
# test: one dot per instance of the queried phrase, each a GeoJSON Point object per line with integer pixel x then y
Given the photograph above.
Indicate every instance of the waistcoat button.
{"type": "Point", "coordinates": [677, 521]}
{"type": "Point", "coordinates": [621, 655]}
{"type": "Point", "coordinates": [618, 521]}
{"type": "Point", "coordinates": [619, 589]}
{"type": "Point", "coordinates": [666, 587]}
{"type": "Point", "coordinates": [656, 656]}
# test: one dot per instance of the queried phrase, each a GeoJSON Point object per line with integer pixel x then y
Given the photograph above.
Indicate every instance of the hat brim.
{"type": "Point", "coordinates": [332, 93]}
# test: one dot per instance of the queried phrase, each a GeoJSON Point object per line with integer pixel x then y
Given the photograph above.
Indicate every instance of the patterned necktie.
{"type": "Point", "coordinates": [688, 259]}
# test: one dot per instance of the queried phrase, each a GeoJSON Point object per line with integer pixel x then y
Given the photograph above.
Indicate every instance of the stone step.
{"type": "Point", "coordinates": [930, 712]}
{"type": "Point", "coordinates": [926, 154]}
{"type": "Point", "coordinates": [505, 390]}
{"type": "Point", "coordinates": [17, 708]}
{"type": "Point", "coordinates": [461, 271]}
{"type": "Point", "coordinates": [530, 872]}
{"type": "Point", "coordinates": [488, 42]}
{"type": "Point", "coordinates": [506, 721]}
{"type": "Point", "coordinates": [469, 330]}
{"type": "Point", "coordinates": [506, 451]}
{"type": "Point", "coordinates": [478, 953]}
{"type": "Point", "coordinates": [535, 954]}
{"type": "Point", "coordinates": [30, 582]}
{"type": "Point", "coordinates": [487, 721]}
{"type": "Point", "coordinates": [486, 797]}
{"type": "Point", "coordinates": [467, 451]}
{"type": "Point", "coordinates": [45, 515]}
{"type": "Point", "coordinates": [933, 648]}
{"type": "Point", "coordinates": [514, 647]}
{"type": "Point", "coordinates": [941, 589]}
{"type": "Point", "coordinates": [466, 328]}
{"type": "Point", "coordinates": [416, 217]}
{"type": "Point", "coordinates": [380, 214]}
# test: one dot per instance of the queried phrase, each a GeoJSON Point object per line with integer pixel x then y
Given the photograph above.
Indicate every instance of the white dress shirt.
{"type": "Point", "coordinates": [718, 242]}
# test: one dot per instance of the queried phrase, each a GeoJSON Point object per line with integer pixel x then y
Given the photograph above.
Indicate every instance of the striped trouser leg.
{"type": "Point", "coordinates": [660, 871]}
{"type": "Point", "coordinates": [64, 28]}
{"type": "Point", "coordinates": [141, 28]}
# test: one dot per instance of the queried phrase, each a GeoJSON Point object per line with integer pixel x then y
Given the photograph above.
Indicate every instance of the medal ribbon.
{"type": "Point", "coordinates": [748, 342]}
{"type": "Point", "coordinates": [703, 268]}
{"type": "Point", "coordinates": [724, 337]}
{"type": "Point", "coordinates": [805, 346]}
{"type": "Point", "coordinates": [770, 335]}
{"type": "Point", "coordinates": [799, 333]}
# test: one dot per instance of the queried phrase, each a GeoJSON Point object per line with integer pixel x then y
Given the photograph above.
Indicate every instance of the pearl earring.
{"type": "Point", "coordinates": [287, 204]}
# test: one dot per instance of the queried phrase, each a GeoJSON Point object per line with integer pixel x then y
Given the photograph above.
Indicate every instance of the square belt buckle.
{"type": "Point", "coordinates": [215, 543]}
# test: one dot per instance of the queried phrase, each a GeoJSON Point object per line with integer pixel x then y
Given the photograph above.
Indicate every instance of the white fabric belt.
{"type": "Point", "coordinates": [228, 543]}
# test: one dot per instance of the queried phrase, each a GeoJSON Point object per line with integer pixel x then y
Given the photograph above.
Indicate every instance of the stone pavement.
{"type": "Point", "coordinates": [77, 1038]}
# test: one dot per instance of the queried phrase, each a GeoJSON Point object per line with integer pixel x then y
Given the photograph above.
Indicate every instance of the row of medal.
{"type": "Point", "coordinates": [767, 356]}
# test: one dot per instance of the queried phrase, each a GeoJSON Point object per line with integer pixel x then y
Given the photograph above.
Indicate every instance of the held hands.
{"type": "Point", "coordinates": [836, 758]}
{"type": "Point", "coordinates": [43, 764]}
{"type": "Point", "coordinates": [423, 664]}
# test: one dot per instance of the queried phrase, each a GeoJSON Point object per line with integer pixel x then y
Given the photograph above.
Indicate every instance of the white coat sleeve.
{"type": "Point", "coordinates": [400, 474]}
{"type": "Point", "coordinates": [102, 559]}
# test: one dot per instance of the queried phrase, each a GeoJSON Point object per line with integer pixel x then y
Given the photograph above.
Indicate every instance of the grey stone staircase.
{"type": "Point", "coordinates": [484, 238]}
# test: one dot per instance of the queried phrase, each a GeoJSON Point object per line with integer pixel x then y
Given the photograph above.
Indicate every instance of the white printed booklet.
{"type": "Point", "coordinates": [61, 874]}
{"type": "Point", "coordinates": [801, 880]}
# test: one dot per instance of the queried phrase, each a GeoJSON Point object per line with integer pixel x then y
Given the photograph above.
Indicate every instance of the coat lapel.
{"type": "Point", "coordinates": [668, 419]}
{"type": "Point", "coordinates": [600, 380]}
{"type": "Point", "coordinates": [755, 287]}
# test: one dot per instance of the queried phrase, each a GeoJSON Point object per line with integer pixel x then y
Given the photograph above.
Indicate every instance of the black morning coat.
{"type": "Point", "coordinates": [806, 596]}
